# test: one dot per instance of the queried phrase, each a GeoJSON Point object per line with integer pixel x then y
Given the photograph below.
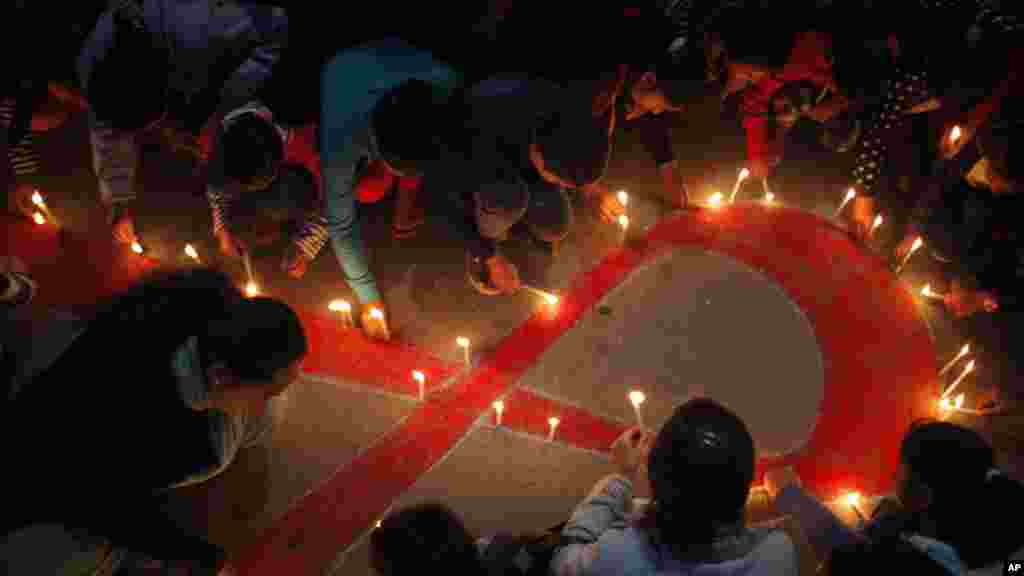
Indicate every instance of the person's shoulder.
{"type": "Point", "coordinates": [774, 546]}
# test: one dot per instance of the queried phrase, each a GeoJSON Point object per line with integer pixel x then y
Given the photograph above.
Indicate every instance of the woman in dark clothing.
{"type": "Point", "coordinates": [162, 388]}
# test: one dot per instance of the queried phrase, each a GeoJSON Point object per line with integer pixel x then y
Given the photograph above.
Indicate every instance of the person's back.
{"type": "Point", "coordinates": [700, 468]}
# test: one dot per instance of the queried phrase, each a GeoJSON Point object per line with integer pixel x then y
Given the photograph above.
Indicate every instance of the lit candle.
{"type": "Point", "coordinates": [769, 198]}
{"type": "Point", "coordinates": [499, 408]}
{"type": "Point", "coordinates": [421, 380]}
{"type": "Point", "coordinates": [624, 222]}
{"type": "Point", "coordinates": [247, 262]}
{"type": "Point", "coordinates": [852, 499]}
{"type": "Point", "coordinates": [190, 251]}
{"type": "Point", "coordinates": [954, 134]}
{"type": "Point", "coordinates": [967, 370]}
{"type": "Point", "coordinates": [637, 398]}
{"type": "Point", "coordinates": [38, 218]}
{"type": "Point", "coordinates": [40, 203]}
{"type": "Point", "coordinates": [344, 308]}
{"type": "Point", "coordinates": [918, 242]}
{"type": "Point", "coordinates": [378, 524]}
{"type": "Point", "coordinates": [623, 198]}
{"type": "Point", "coordinates": [464, 344]}
{"type": "Point", "coordinates": [850, 194]}
{"type": "Point", "coordinates": [927, 293]}
{"type": "Point", "coordinates": [715, 200]}
{"type": "Point", "coordinates": [252, 289]}
{"type": "Point", "coordinates": [739, 182]}
{"type": "Point", "coordinates": [963, 352]}
{"type": "Point", "coordinates": [878, 222]}
{"type": "Point", "coordinates": [378, 316]}
{"type": "Point", "coordinates": [548, 297]}
{"type": "Point", "coordinates": [37, 199]}
{"type": "Point", "coordinates": [136, 247]}
{"type": "Point", "coordinates": [553, 424]}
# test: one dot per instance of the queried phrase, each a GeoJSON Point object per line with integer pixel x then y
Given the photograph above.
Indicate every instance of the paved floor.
{"type": "Point", "coordinates": [360, 395]}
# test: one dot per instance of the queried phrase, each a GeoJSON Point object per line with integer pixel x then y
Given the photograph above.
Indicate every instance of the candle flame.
{"type": "Point", "coordinates": [637, 397]}
{"type": "Point", "coordinates": [955, 134]}
{"type": "Point", "coordinates": [376, 314]}
{"type": "Point", "coordinates": [499, 406]}
{"type": "Point", "coordinates": [190, 251]}
{"type": "Point", "coordinates": [37, 199]}
{"type": "Point", "coordinates": [849, 195]}
{"type": "Point", "coordinates": [623, 197]}
{"type": "Point", "coordinates": [959, 402]}
{"type": "Point", "coordinates": [878, 222]}
{"type": "Point", "coordinates": [927, 292]}
{"type": "Point", "coordinates": [918, 242]}
{"type": "Point", "coordinates": [38, 218]}
{"type": "Point", "coordinates": [136, 247]}
{"type": "Point", "coordinates": [715, 199]}
{"type": "Point", "coordinates": [418, 376]}
{"type": "Point", "coordinates": [852, 499]}
{"type": "Point", "coordinates": [769, 198]}
{"type": "Point", "coordinates": [744, 174]}
{"type": "Point", "coordinates": [944, 405]}
{"type": "Point", "coordinates": [551, 299]}
{"type": "Point", "coordinates": [378, 523]}
{"type": "Point", "coordinates": [553, 421]}
{"type": "Point", "coordinates": [252, 289]}
{"type": "Point", "coordinates": [624, 221]}
{"type": "Point", "coordinates": [339, 306]}
{"type": "Point", "coordinates": [462, 342]}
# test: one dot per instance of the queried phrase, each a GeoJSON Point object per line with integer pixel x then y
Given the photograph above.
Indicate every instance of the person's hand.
{"type": "Point", "coordinates": [629, 452]}
{"type": "Point", "coordinates": [230, 245]}
{"type": "Point", "coordinates": [778, 479]}
{"type": "Point", "coordinates": [949, 146]}
{"type": "Point", "coordinates": [375, 327]}
{"type": "Point", "coordinates": [295, 262]}
{"type": "Point", "coordinates": [503, 274]}
{"type": "Point", "coordinates": [122, 221]}
{"type": "Point", "coordinates": [20, 200]}
{"type": "Point", "coordinates": [862, 216]}
{"type": "Point", "coordinates": [963, 302]}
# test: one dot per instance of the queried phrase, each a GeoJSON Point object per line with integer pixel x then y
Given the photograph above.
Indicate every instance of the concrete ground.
{"type": "Point", "coordinates": [659, 334]}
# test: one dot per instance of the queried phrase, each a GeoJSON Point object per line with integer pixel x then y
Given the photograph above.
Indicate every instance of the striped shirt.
{"type": "Point", "coordinates": [22, 155]}
{"type": "Point", "coordinates": [299, 148]}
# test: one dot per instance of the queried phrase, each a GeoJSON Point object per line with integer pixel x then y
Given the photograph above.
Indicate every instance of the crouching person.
{"type": "Point", "coordinates": [162, 389]}
{"type": "Point", "coordinates": [263, 183]}
{"type": "Point", "coordinates": [700, 467]}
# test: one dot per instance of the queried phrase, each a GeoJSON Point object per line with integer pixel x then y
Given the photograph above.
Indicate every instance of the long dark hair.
{"type": "Point", "coordinates": [700, 468]}
{"type": "Point", "coordinates": [954, 463]}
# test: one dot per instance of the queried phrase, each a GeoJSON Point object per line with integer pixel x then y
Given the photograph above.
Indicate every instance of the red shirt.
{"type": "Point", "coordinates": [808, 61]}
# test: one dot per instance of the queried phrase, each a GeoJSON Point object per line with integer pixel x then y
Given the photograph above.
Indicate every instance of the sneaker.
{"type": "Point", "coordinates": [478, 276]}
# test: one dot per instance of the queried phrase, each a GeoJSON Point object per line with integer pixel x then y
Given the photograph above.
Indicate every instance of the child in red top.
{"type": "Point", "coordinates": [766, 110]}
